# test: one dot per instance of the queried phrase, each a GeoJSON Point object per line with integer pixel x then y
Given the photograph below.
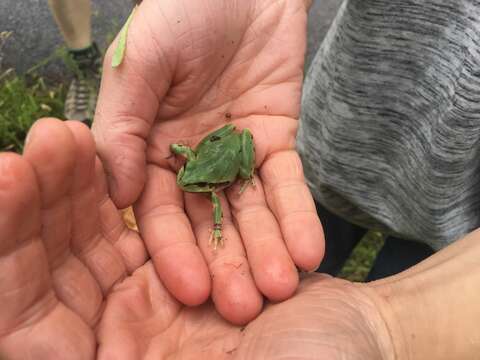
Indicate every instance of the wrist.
{"type": "Point", "coordinates": [385, 329]}
{"type": "Point", "coordinates": [431, 310]}
{"type": "Point", "coordinates": [387, 303]}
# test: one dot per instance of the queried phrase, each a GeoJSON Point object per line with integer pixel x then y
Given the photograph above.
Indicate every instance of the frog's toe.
{"type": "Point", "coordinates": [245, 184]}
{"type": "Point", "coordinates": [216, 239]}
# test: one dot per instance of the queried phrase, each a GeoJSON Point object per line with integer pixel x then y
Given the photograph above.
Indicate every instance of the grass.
{"type": "Point", "coordinates": [361, 260]}
{"type": "Point", "coordinates": [22, 101]}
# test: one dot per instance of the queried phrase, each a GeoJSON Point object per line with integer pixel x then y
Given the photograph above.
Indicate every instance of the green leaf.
{"type": "Point", "coordinates": [122, 42]}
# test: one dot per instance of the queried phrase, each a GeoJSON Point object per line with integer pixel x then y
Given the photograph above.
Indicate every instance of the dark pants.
{"type": "Point", "coordinates": [341, 237]}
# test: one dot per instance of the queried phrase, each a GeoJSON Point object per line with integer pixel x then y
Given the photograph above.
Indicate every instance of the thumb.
{"type": "Point", "coordinates": [125, 113]}
{"type": "Point", "coordinates": [127, 107]}
{"type": "Point", "coordinates": [123, 155]}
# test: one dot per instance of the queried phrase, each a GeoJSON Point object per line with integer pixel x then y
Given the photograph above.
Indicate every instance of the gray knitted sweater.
{"type": "Point", "coordinates": [390, 125]}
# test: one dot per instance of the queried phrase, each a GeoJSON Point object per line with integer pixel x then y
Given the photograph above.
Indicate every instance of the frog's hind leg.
{"type": "Point", "coordinates": [216, 238]}
{"type": "Point", "coordinates": [247, 163]}
{"type": "Point", "coordinates": [245, 185]}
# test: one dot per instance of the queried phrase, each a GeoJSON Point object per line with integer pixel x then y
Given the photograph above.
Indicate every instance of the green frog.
{"type": "Point", "coordinates": [218, 160]}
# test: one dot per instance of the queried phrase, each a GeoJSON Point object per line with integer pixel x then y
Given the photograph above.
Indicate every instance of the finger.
{"type": "Point", "coordinates": [87, 241]}
{"type": "Point", "coordinates": [30, 315]}
{"type": "Point", "coordinates": [126, 241]}
{"type": "Point", "coordinates": [128, 103]}
{"type": "Point", "coordinates": [291, 201]}
{"type": "Point", "coordinates": [169, 238]}
{"type": "Point", "coordinates": [273, 270]}
{"type": "Point", "coordinates": [54, 165]}
{"type": "Point", "coordinates": [233, 289]}
{"type": "Point", "coordinates": [20, 227]}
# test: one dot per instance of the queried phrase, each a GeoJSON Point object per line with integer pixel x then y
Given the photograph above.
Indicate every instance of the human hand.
{"type": "Point", "coordinates": [189, 68]}
{"type": "Point", "coordinates": [327, 318]}
{"type": "Point", "coordinates": [63, 244]}
{"type": "Point", "coordinates": [67, 289]}
{"type": "Point", "coordinates": [66, 256]}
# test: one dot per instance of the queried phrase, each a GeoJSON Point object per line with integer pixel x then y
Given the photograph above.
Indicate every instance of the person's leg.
{"type": "Point", "coordinates": [340, 239]}
{"type": "Point", "coordinates": [396, 256]}
{"type": "Point", "coordinates": [73, 18]}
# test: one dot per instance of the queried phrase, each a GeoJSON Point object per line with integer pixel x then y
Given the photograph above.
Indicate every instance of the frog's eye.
{"type": "Point", "coordinates": [215, 138]}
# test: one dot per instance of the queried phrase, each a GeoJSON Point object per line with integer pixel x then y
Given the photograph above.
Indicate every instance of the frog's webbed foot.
{"type": "Point", "coordinates": [245, 184]}
{"type": "Point", "coordinates": [216, 238]}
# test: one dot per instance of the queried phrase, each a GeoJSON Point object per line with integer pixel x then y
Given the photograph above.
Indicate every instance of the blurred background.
{"type": "Point", "coordinates": [35, 36]}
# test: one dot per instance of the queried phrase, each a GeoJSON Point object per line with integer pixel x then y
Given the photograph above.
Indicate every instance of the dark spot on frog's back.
{"type": "Point", "coordinates": [214, 138]}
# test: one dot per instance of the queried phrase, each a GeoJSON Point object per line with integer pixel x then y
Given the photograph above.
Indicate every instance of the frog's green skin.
{"type": "Point", "coordinates": [218, 160]}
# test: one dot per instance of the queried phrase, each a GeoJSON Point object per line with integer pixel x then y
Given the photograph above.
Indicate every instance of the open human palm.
{"type": "Point", "coordinates": [76, 283]}
{"type": "Point", "coordinates": [191, 67]}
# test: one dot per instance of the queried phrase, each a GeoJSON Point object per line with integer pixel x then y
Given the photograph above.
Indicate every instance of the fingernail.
{"type": "Point", "coordinates": [302, 271]}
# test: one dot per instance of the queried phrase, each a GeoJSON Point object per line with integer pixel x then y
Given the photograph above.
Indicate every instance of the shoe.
{"type": "Point", "coordinates": [82, 93]}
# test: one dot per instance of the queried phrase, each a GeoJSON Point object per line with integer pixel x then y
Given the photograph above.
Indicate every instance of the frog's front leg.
{"type": "Point", "coordinates": [216, 236]}
{"type": "Point", "coordinates": [183, 150]}
{"type": "Point", "coordinates": [247, 163]}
